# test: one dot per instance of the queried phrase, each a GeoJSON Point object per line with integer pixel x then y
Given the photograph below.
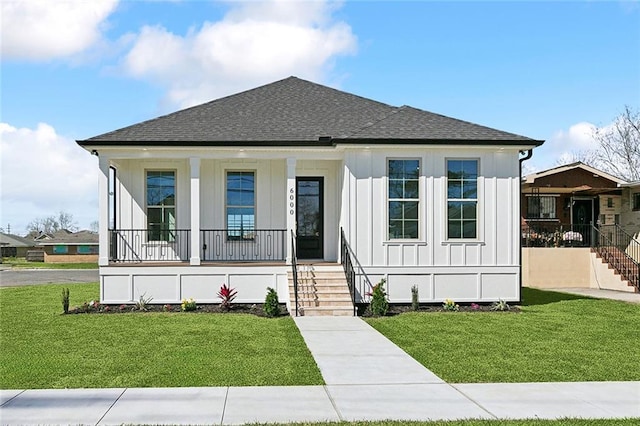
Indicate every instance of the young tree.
{"type": "Point", "coordinates": [618, 150]}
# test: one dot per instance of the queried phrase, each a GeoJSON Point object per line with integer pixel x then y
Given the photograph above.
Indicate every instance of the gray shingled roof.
{"type": "Point", "coordinates": [293, 112]}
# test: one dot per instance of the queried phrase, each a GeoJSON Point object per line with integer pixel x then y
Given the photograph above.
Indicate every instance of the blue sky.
{"type": "Point", "coordinates": [72, 70]}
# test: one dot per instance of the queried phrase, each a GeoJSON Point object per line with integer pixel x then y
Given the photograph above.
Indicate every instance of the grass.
{"type": "Point", "coordinates": [41, 348]}
{"type": "Point", "coordinates": [536, 422]}
{"type": "Point", "coordinates": [556, 337]}
{"type": "Point", "coordinates": [21, 263]}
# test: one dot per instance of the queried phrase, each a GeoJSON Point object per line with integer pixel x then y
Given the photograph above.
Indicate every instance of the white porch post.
{"type": "Point", "coordinates": [291, 204]}
{"type": "Point", "coordinates": [194, 164]}
{"type": "Point", "coordinates": [103, 207]}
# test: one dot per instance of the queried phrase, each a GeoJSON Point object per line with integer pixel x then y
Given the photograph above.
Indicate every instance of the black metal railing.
{"type": "Point", "coordinates": [359, 284]}
{"type": "Point", "coordinates": [553, 234]}
{"type": "Point", "coordinates": [294, 266]}
{"type": "Point", "coordinates": [140, 245]}
{"type": "Point", "coordinates": [620, 250]}
{"type": "Point", "coordinates": [230, 245]}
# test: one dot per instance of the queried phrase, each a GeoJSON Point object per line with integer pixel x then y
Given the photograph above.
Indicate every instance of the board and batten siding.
{"type": "Point", "coordinates": [485, 269]}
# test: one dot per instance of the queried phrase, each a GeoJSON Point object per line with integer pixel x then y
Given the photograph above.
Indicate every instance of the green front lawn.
{"type": "Point", "coordinates": [21, 263]}
{"type": "Point", "coordinates": [40, 348]}
{"type": "Point", "coordinates": [556, 337]}
{"type": "Point", "coordinates": [536, 422]}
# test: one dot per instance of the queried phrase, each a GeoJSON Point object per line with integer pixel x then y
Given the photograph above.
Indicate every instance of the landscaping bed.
{"type": "Point", "coordinates": [211, 308]}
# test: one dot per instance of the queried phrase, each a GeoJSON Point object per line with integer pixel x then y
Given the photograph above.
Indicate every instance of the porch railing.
{"type": "Point", "coordinates": [294, 266]}
{"type": "Point", "coordinates": [154, 245]}
{"type": "Point", "coordinates": [553, 234]}
{"type": "Point", "coordinates": [620, 250]}
{"type": "Point", "coordinates": [256, 245]}
{"type": "Point", "coordinates": [359, 284]}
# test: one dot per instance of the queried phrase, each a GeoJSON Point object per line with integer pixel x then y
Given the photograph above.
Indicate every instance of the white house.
{"type": "Point", "coordinates": [224, 192]}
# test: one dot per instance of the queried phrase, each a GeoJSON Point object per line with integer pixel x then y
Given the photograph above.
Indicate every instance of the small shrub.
{"type": "Point", "coordinates": [500, 305]}
{"type": "Point", "coordinates": [189, 305]}
{"type": "Point", "coordinates": [167, 308]}
{"type": "Point", "coordinates": [65, 300]}
{"type": "Point", "coordinates": [475, 307]}
{"type": "Point", "coordinates": [271, 303]}
{"type": "Point", "coordinates": [415, 298]}
{"type": "Point", "coordinates": [122, 308]}
{"type": "Point", "coordinates": [143, 302]}
{"type": "Point", "coordinates": [379, 304]}
{"type": "Point", "coordinates": [227, 294]}
{"type": "Point", "coordinates": [450, 305]}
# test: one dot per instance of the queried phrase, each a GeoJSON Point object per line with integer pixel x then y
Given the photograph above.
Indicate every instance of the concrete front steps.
{"type": "Point", "coordinates": [322, 291]}
{"type": "Point", "coordinates": [618, 263]}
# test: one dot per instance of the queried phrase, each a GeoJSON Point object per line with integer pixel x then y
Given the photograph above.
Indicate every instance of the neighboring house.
{"type": "Point", "coordinates": [560, 205]}
{"type": "Point", "coordinates": [66, 246]}
{"type": "Point", "coordinates": [14, 246]}
{"type": "Point", "coordinates": [213, 194]}
{"type": "Point", "coordinates": [576, 205]}
{"type": "Point", "coordinates": [630, 211]}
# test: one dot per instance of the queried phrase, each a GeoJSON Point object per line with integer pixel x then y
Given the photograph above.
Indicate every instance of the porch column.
{"type": "Point", "coordinates": [103, 207]}
{"type": "Point", "coordinates": [194, 164]}
{"type": "Point", "coordinates": [291, 204]}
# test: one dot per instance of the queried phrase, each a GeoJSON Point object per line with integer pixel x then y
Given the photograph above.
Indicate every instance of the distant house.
{"type": "Point", "coordinates": [630, 211]}
{"type": "Point", "coordinates": [242, 189]}
{"type": "Point", "coordinates": [576, 205]}
{"type": "Point", "coordinates": [14, 245]}
{"type": "Point", "coordinates": [569, 199]}
{"type": "Point", "coordinates": [66, 246]}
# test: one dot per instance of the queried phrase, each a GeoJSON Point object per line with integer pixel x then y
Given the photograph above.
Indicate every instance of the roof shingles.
{"type": "Point", "coordinates": [294, 111]}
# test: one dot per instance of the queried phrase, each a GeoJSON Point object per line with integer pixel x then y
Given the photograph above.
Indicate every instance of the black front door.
{"type": "Point", "coordinates": [309, 217]}
{"type": "Point", "coordinates": [582, 219]}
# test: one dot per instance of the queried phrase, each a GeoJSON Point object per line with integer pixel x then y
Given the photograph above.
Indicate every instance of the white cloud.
{"type": "Point", "coordinates": [40, 30]}
{"type": "Point", "coordinates": [563, 147]}
{"type": "Point", "coordinates": [44, 173]}
{"type": "Point", "coordinates": [255, 43]}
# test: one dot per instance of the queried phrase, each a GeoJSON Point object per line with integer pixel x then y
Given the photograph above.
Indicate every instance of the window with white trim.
{"type": "Point", "coordinates": [161, 205]}
{"type": "Point", "coordinates": [403, 198]}
{"type": "Point", "coordinates": [462, 199]}
{"type": "Point", "coordinates": [241, 205]}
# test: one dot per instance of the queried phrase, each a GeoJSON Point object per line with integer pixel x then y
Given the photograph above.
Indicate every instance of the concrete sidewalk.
{"type": "Point", "coordinates": [238, 405]}
{"type": "Point", "coordinates": [367, 378]}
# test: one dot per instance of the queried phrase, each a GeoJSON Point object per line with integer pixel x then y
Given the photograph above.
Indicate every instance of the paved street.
{"type": "Point", "coordinates": [16, 278]}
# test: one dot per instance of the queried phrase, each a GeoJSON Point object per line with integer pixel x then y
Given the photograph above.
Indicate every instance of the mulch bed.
{"type": "Point", "coordinates": [400, 309]}
{"type": "Point", "coordinates": [236, 308]}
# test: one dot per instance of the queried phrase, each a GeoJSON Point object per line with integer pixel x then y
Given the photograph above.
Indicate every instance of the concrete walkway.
{"type": "Point", "coordinates": [367, 376]}
{"type": "Point", "coordinates": [622, 296]}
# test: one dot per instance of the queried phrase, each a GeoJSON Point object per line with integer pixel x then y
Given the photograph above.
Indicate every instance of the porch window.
{"type": "Point", "coordinates": [541, 207]}
{"type": "Point", "coordinates": [462, 199]}
{"type": "Point", "coordinates": [161, 205]}
{"type": "Point", "coordinates": [636, 201]}
{"type": "Point", "coordinates": [404, 198]}
{"type": "Point", "coordinates": [241, 205]}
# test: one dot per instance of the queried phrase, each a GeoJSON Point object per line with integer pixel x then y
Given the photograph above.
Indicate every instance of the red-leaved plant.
{"type": "Point", "coordinates": [227, 294]}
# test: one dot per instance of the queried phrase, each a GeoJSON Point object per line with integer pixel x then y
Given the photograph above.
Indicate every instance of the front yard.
{"type": "Point", "coordinates": [40, 348]}
{"type": "Point", "coordinates": [556, 337]}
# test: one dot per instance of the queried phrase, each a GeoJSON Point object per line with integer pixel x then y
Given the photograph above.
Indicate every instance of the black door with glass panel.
{"type": "Point", "coordinates": [309, 217]}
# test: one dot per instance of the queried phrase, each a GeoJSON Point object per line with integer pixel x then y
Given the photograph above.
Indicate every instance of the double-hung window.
{"type": "Point", "coordinates": [241, 205]}
{"type": "Point", "coordinates": [462, 199]}
{"type": "Point", "coordinates": [161, 205]}
{"type": "Point", "coordinates": [404, 198]}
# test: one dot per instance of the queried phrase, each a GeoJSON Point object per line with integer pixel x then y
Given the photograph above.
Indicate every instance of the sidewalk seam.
{"type": "Point", "coordinates": [333, 403]}
{"type": "Point", "coordinates": [111, 406]}
{"type": "Point", "coordinates": [224, 406]}
{"type": "Point", "coordinates": [472, 400]}
{"type": "Point", "coordinates": [13, 397]}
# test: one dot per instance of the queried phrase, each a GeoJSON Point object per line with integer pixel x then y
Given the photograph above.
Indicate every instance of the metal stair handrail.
{"type": "Point", "coordinates": [348, 259]}
{"type": "Point", "coordinates": [627, 265]}
{"type": "Point", "coordinates": [294, 266]}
